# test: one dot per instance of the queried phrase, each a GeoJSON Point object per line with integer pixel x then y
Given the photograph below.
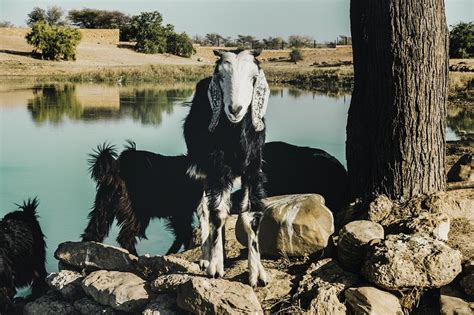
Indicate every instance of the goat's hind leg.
{"type": "Point", "coordinates": [218, 212]}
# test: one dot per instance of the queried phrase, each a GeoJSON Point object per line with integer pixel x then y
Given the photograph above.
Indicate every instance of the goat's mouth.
{"type": "Point", "coordinates": [234, 119]}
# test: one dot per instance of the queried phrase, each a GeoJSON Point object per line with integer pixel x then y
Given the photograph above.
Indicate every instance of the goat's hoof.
{"type": "Point", "coordinates": [262, 283]}
{"type": "Point", "coordinates": [203, 264]}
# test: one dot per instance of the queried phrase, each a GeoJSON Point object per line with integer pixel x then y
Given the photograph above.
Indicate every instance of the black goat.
{"type": "Point", "coordinates": [222, 148]}
{"type": "Point", "coordinates": [139, 186]}
{"type": "Point", "coordinates": [22, 254]}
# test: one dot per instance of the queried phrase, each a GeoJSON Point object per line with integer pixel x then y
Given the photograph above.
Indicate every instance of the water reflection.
{"type": "Point", "coordinates": [54, 102]}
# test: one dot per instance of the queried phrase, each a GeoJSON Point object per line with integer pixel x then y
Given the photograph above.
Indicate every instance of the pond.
{"type": "Point", "coordinates": [47, 132]}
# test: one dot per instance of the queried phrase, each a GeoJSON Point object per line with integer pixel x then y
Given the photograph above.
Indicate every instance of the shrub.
{"type": "Point", "coordinates": [461, 40]}
{"type": "Point", "coordinates": [149, 34]}
{"type": "Point", "coordinates": [296, 55]}
{"type": "Point", "coordinates": [179, 44]}
{"type": "Point", "coordinates": [54, 42]}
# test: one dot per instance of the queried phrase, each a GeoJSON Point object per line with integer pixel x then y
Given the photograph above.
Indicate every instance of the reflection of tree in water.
{"type": "Point", "coordinates": [54, 102]}
{"type": "Point", "coordinates": [461, 120]}
{"type": "Point", "coordinates": [148, 105]}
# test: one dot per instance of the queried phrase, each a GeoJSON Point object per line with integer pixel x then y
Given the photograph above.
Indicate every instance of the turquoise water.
{"type": "Point", "coordinates": [47, 132]}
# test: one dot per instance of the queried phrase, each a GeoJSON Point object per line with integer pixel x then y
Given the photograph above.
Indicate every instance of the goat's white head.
{"type": "Point", "coordinates": [237, 84]}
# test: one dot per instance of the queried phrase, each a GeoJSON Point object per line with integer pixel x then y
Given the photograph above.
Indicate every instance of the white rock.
{"type": "Point", "coordinates": [372, 301]}
{"type": "Point", "coordinates": [66, 282]}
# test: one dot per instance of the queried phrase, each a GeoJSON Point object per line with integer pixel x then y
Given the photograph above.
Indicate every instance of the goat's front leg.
{"type": "Point", "coordinates": [203, 214]}
{"type": "Point", "coordinates": [219, 207]}
{"type": "Point", "coordinates": [253, 209]}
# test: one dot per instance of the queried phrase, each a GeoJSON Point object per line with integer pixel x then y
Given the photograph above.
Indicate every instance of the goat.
{"type": "Point", "coordinates": [22, 254]}
{"type": "Point", "coordinates": [222, 148]}
{"type": "Point", "coordinates": [136, 187]}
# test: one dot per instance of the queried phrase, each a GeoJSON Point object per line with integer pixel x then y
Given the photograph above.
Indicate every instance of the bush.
{"type": "Point", "coordinates": [148, 32]}
{"type": "Point", "coordinates": [296, 55]}
{"type": "Point", "coordinates": [461, 40]}
{"type": "Point", "coordinates": [54, 42]}
{"type": "Point", "coordinates": [180, 45]}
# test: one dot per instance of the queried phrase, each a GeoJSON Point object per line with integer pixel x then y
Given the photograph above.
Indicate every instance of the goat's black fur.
{"type": "Point", "coordinates": [22, 253]}
{"type": "Point", "coordinates": [136, 187]}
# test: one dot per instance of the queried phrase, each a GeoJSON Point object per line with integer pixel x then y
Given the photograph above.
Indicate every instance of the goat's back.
{"type": "Point", "coordinates": [295, 170]}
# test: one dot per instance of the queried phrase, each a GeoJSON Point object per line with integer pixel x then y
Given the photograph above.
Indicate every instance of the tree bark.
{"type": "Point", "coordinates": [396, 125]}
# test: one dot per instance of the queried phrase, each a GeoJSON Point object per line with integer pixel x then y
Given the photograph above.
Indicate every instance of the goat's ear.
{"type": "Point", "coordinates": [218, 52]}
{"type": "Point", "coordinates": [261, 93]}
{"type": "Point", "coordinates": [256, 52]}
{"type": "Point", "coordinates": [214, 94]}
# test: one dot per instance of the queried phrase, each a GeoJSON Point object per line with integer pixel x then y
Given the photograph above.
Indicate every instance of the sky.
{"type": "Point", "coordinates": [324, 20]}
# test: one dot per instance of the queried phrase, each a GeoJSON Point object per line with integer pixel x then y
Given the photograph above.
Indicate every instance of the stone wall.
{"type": "Point", "coordinates": [97, 36]}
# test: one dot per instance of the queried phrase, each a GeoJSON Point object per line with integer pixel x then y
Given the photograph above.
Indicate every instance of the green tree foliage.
{"type": "Point", "coordinates": [180, 45]}
{"type": "Point", "coordinates": [296, 55]}
{"type": "Point", "coordinates": [461, 40]}
{"type": "Point", "coordinates": [298, 41]}
{"type": "Point", "coordinates": [52, 16]}
{"type": "Point", "coordinates": [54, 42]}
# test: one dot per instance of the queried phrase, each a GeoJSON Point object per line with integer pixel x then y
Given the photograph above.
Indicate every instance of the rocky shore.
{"type": "Point", "coordinates": [382, 258]}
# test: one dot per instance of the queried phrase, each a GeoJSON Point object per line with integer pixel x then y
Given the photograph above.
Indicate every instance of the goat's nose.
{"type": "Point", "coordinates": [235, 110]}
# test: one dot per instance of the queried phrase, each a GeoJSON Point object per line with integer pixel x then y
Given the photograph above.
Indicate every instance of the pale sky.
{"type": "Point", "coordinates": [322, 19]}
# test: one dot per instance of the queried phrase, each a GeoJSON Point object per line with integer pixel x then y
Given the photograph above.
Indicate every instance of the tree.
{"type": "Point", "coordinates": [273, 43]}
{"type": "Point", "coordinates": [54, 42]}
{"type": "Point", "coordinates": [93, 18]}
{"type": "Point", "coordinates": [54, 15]}
{"type": "Point", "coordinates": [214, 39]}
{"type": "Point", "coordinates": [298, 41]}
{"type": "Point", "coordinates": [179, 44]}
{"type": "Point", "coordinates": [396, 124]}
{"type": "Point", "coordinates": [461, 43]}
{"type": "Point", "coordinates": [149, 33]}
{"type": "Point", "coordinates": [6, 24]}
{"type": "Point", "coordinates": [35, 16]}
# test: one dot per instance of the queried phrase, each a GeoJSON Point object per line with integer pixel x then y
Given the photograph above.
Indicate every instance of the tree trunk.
{"type": "Point", "coordinates": [396, 125]}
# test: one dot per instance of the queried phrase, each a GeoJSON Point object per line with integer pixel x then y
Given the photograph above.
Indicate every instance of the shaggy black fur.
{"type": "Point", "coordinates": [292, 169]}
{"type": "Point", "coordinates": [139, 186]}
{"type": "Point", "coordinates": [230, 151]}
{"type": "Point", "coordinates": [297, 170]}
{"type": "Point", "coordinates": [22, 253]}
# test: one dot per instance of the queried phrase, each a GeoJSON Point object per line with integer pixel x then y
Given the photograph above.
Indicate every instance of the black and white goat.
{"type": "Point", "coordinates": [225, 134]}
{"type": "Point", "coordinates": [22, 254]}
{"type": "Point", "coordinates": [136, 187]}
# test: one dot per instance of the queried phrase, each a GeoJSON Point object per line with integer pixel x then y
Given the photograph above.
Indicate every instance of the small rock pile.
{"type": "Point", "coordinates": [367, 267]}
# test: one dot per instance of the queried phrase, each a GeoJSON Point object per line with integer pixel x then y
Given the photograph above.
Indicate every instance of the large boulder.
{"type": "Point", "coordinates": [372, 301]}
{"type": "Point", "coordinates": [462, 170]}
{"type": "Point", "coordinates": [67, 283]}
{"type": "Point", "coordinates": [379, 208]}
{"type": "Point", "coordinates": [169, 283]}
{"type": "Point", "coordinates": [49, 304]}
{"type": "Point", "coordinates": [435, 225]}
{"type": "Point", "coordinates": [293, 225]}
{"type": "Point", "coordinates": [406, 261]}
{"type": "Point", "coordinates": [353, 240]}
{"type": "Point", "coordinates": [467, 283]}
{"type": "Point", "coordinates": [320, 290]}
{"type": "Point", "coordinates": [122, 291]}
{"type": "Point", "coordinates": [217, 296]}
{"type": "Point", "coordinates": [152, 266]}
{"type": "Point", "coordinates": [96, 256]}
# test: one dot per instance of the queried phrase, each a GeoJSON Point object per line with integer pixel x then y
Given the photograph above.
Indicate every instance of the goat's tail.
{"type": "Point", "coordinates": [29, 206]}
{"type": "Point", "coordinates": [104, 169]}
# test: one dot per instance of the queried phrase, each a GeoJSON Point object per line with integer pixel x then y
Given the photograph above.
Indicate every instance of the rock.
{"type": "Point", "coordinates": [123, 291]}
{"type": "Point", "coordinates": [217, 296]}
{"type": "Point", "coordinates": [293, 225]}
{"type": "Point", "coordinates": [452, 303]}
{"type": "Point", "coordinates": [372, 301]}
{"type": "Point", "coordinates": [467, 283]}
{"type": "Point", "coordinates": [87, 306]}
{"type": "Point", "coordinates": [67, 283]}
{"type": "Point", "coordinates": [163, 304]}
{"type": "Point", "coordinates": [462, 170]}
{"type": "Point", "coordinates": [353, 238]}
{"type": "Point", "coordinates": [280, 282]}
{"type": "Point", "coordinates": [193, 254]}
{"type": "Point", "coordinates": [405, 261]}
{"type": "Point", "coordinates": [94, 256]}
{"type": "Point", "coordinates": [461, 235]}
{"type": "Point", "coordinates": [49, 304]}
{"type": "Point", "coordinates": [320, 289]}
{"type": "Point", "coordinates": [379, 208]}
{"type": "Point", "coordinates": [153, 266]}
{"type": "Point", "coordinates": [435, 225]}
{"type": "Point", "coordinates": [231, 244]}
{"type": "Point", "coordinates": [169, 283]}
